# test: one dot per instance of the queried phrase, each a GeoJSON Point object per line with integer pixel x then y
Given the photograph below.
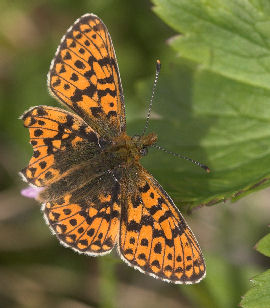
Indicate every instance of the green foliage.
{"type": "Point", "coordinates": [263, 246]}
{"type": "Point", "coordinates": [231, 38]}
{"type": "Point", "coordinates": [108, 282]}
{"type": "Point", "coordinates": [259, 295]}
{"type": "Point", "coordinates": [223, 113]}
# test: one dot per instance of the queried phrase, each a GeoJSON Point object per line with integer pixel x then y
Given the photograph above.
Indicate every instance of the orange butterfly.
{"type": "Point", "coordinates": [95, 193]}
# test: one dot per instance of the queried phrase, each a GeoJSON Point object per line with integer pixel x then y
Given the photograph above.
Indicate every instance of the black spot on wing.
{"type": "Point", "coordinates": [112, 113]}
{"type": "Point", "coordinates": [78, 94]}
{"type": "Point", "coordinates": [79, 64]}
{"type": "Point", "coordinates": [74, 77]}
{"type": "Point", "coordinates": [67, 56]}
{"type": "Point", "coordinates": [145, 188]}
{"type": "Point", "coordinates": [96, 111]}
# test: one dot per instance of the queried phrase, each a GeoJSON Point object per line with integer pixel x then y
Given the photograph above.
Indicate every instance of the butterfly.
{"type": "Point", "coordinates": [95, 193]}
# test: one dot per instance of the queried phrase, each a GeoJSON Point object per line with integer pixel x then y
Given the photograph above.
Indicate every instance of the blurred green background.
{"type": "Point", "coordinates": [35, 270]}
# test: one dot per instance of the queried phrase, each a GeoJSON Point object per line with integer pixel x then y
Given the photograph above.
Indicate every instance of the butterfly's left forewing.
{"type": "Point", "coordinates": [155, 238]}
{"type": "Point", "coordinates": [57, 137]}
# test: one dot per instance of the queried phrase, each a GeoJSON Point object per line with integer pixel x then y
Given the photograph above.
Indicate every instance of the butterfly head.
{"type": "Point", "coordinates": [141, 143]}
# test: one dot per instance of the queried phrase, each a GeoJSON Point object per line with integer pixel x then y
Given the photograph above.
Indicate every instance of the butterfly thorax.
{"type": "Point", "coordinates": [129, 150]}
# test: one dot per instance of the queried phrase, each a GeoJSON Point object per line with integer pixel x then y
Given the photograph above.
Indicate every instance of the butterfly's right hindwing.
{"type": "Point", "coordinates": [154, 237]}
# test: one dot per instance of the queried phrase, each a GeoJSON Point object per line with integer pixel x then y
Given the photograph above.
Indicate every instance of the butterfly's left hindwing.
{"type": "Point", "coordinates": [155, 238]}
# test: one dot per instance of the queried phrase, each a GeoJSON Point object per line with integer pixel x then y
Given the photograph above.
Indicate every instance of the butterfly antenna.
{"type": "Point", "coordinates": [181, 156]}
{"type": "Point", "coordinates": [158, 67]}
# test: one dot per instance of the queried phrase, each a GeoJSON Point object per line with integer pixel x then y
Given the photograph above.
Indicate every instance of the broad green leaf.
{"type": "Point", "coordinates": [263, 246]}
{"type": "Point", "coordinates": [218, 129]}
{"type": "Point", "coordinates": [259, 295]}
{"type": "Point", "coordinates": [229, 37]}
{"type": "Point", "coordinates": [216, 108]}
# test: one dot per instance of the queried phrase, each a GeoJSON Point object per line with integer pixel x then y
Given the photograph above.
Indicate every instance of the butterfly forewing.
{"type": "Point", "coordinates": [84, 75]}
{"type": "Point", "coordinates": [57, 137]}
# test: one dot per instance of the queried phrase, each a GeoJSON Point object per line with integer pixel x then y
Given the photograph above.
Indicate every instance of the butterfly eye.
{"type": "Point", "coordinates": [144, 151]}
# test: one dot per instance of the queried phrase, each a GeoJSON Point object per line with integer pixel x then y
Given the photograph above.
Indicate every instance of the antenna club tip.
{"type": "Point", "coordinates": [158, 65]}
{"type": "Point", "coordinates": [206, 169]}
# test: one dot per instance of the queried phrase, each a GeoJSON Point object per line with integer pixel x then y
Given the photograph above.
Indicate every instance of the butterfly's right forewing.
{"type": "Point", "coordinates": [84, 76]}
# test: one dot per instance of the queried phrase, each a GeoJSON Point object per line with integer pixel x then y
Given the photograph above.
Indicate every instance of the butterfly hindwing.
{"type": "Point", "coordinates": [84, 75]}
{"type": "Point", "coordinates": [155, 238]}
{"type": "Point", "coordinates": [88, 219]}
{"type": "Point", "coordinates": [56, 135]}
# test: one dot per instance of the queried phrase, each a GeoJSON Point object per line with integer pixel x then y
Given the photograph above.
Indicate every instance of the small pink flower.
{"type": "Point", "coordinates": [31, 192]}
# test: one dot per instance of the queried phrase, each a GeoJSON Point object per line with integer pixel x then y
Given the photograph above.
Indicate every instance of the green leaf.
{"type": "Point", "coordinates": [259, 295]}
{"type": "Point", "coordinates": [263, 246]}
{"type": "Point", "coordinates": [231, 38]}
{"type": "Point", "coordinates": [216, 108]}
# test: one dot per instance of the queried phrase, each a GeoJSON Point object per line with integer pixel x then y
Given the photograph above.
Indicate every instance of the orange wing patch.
{"type": "Point", "coordinates": [52, 131]}
{"type": "Point", "coordinates": [155, 238]}
{"type": "Point", "coordinates": [89, 225]}
{"type": "Point", "coordinates": [84, 75]}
